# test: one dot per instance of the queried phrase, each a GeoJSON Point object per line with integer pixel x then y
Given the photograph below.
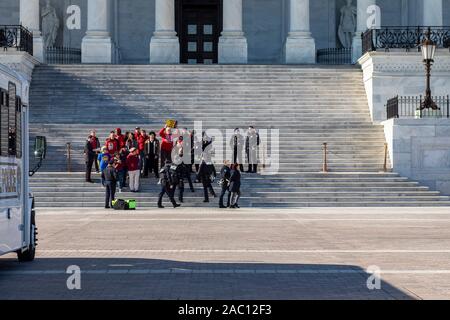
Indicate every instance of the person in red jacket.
{"type": "Point", "coordinates": [133, 169]}
{"type": "Point", "coordinates": [141, 140]}
{"type": "Point", "coordinates": [120, 138]}
{"type": "Point", "coordinates": [112, 144]}
{"type": "Point", "coordinates": [166, 144]}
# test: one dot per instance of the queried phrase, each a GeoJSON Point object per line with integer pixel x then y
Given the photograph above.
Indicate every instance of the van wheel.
{"type": "Point", "coordinates": [29, 254]}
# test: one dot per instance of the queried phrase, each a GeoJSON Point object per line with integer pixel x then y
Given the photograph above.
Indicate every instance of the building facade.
{"type": "Point", "coordinates": [212, 31]}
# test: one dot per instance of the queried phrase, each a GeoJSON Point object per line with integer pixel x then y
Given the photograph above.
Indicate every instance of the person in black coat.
{"type": "Point", "coordinates": [235, 186]}
{"type": "Point", "coordinates": [237, 146]}
{"type": "Point", "coordinates": [96, 146]}
{"type": "Point", "coordinates": [204, 176]}
{"type": "Point", "coordinates": [151, 153]}
{"type": "Point", "coordinates": [225, 174]}
{"type": "Point", "coordinates": [168, 182]}
{"type": "Point", "coordinates": [110, 184]}
{"type": "Point", "coordinates": [90, 156]}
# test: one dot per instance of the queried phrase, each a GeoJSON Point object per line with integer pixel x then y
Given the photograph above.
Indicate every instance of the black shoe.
{"type": "Point", "coordinates": [181, 200]}
{"type": "Point", "coordinates": [237, 206]}
{"type": "Point", "coordinates": [160, 206]}
{"type": "Point", "coordinates": [176, 205]}
{"type": "Point", "coordinates": [232, 207]}
{"type": "Point", "coordinates": [205, 201]}
{"type": "Point", "coordinates": [107, 207]}
{"type": "Point", "coordinates": [193, 190]}
{"type": "Point", "coordinates": [222, 207]}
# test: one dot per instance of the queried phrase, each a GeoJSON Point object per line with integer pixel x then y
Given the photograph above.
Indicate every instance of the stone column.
{"type": "Point", "coordinates": [30, 18]}
{"type": "Point", "coordinates": [164, 45]}
{"type": "Point", "coordinates": [97, 46]}
{"type": "Point", "coordinates": [433, 14]}
{"type": "Point", "coordinates": [362, 20]}
{"type": "Point", "coordinates": [300, 45]}
{"type": "Point", "coordinates": [232, 43]}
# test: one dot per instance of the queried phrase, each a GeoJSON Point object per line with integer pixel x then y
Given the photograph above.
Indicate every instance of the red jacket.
{"type": "Point", "coordinates": [132, 162]}
{"type": "Point", "coordinates": [166, 141]}
{"type": "Point", "coordinates": [141, 142]}
{"type": "Point", "coordinates": [112, 145]}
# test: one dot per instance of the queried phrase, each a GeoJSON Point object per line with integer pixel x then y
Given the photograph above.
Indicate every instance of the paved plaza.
{"type": "Point", "coordinates": [245, 254]}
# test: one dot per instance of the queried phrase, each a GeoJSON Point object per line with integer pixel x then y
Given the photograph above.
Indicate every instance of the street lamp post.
{"type": "Point", "coordinates": [428, 52]}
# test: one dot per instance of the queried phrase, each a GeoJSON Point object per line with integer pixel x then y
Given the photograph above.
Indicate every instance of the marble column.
{"type": "Point", "coordinates": [97, 46]}
{"type": "Point", "coordinates": [30, 18]}
{"type": "Point", "coordinates": [232, 42]}
{"type": "Point", "coordinates": [433, 14]}
{"type": "Point", "coordinates": [164, 45]}
{"type": "Point", "coordinates": [300, 45]}
{"type": "Point", "coordinates": [362, 25]}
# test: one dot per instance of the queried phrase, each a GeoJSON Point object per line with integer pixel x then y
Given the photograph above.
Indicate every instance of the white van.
{"type": "Point", "coordinates": [17, 217]}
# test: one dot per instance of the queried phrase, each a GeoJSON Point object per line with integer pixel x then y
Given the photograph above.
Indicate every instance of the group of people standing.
{"type": "Point", "coordinates": [171, 159]}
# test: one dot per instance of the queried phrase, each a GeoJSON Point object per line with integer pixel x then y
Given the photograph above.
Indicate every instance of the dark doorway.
{"type": "Point", "coordinates": [198, 25]}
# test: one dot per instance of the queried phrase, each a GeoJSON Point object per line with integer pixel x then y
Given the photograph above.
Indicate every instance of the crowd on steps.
{"type": "Point", "coordinates": [172, 156]}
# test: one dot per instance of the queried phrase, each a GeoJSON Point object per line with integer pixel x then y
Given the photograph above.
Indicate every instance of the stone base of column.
{"type": "Point", "coordinates": [38, 49]}
{"type": "Point", "coordinates": [96, 50]}
{"type": "Point", "coordinates": [356, 48]}
{"type": "Point", "coordinates": [300, 50]}
{"type": "Point", "coordinates": [164, 50]}
{"type": "Point", "coordinates": [233, 50]}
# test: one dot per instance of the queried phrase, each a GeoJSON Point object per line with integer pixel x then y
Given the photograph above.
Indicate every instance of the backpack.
{"type": "Point", "coordinates": [120, 204]}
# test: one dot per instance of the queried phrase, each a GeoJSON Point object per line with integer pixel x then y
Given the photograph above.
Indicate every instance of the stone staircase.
{"type": "Point", "coordinates": [308, 105]}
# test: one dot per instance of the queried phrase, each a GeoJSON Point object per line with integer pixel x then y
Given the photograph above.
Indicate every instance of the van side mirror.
{"type": "Point", "coordinates": [40, 147]}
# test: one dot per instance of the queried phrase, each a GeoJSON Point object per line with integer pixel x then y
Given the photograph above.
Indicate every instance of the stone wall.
{"type": "Point", "coordinates": [420, 150]}
{"type": "Point", "coordinates": [387, 74]}
{"type": "Point", "coordinates": [446, 12]}
{"type": "Point", "coordinates": [9, 12]}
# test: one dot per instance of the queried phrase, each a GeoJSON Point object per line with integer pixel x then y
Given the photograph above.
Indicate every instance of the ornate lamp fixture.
{"type": "Point", "coordinates": [428, 52]}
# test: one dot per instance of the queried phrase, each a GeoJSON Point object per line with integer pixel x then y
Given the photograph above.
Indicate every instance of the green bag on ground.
{"type": "Point", "coordinates": [131, 204]}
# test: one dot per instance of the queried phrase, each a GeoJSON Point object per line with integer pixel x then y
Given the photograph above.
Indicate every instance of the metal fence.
{"type": "Point", "coordinates": [16, 37]}
{"type": "Point", "coordinates": [408, 38]}
{"type": "Point", "coordinates": [334, 56]}
{"type": "Point", "coordinates": [409, 107]}
{"type": "Point", "coordinates": [62, 55]}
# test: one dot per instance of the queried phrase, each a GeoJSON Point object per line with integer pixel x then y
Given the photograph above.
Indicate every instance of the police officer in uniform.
{"type": "Point", "coordinates": [225, 174]}
{"type": "Point", "coordinates": [110, 184]}
{"type": "Point", "coordinates": [167, 185]}
{"type": "Point", "coordinates": [204, 176]}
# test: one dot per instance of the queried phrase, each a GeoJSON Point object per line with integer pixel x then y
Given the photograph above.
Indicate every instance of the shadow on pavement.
{"type": "Point", "coordinates": [131, 278]}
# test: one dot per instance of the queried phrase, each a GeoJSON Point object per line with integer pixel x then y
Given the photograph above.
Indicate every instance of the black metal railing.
{"type": "Point", "coordinates": [409, 107]}
{"type": "Point", "coordinates": [62, 55]}
{"type": "Point", "coordinates": [408, 38]}
{"type": "Point", "coordinates": [334, 56]}
{"type": "Point", "coordinates": [16, 37]}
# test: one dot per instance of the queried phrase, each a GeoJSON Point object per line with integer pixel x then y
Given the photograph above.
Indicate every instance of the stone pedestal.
{"type": "Point", "coordinates": [164, 46]}
{"type": "Point", "coordinates": [232, 43]}
{"type": "Point", "coordinates": [300, 45]}
{"type": "Point", "coordinates": [97, 46]}
{"type": "Point", "coordinates": [233, 50]}
{"type": "Point", "coordinates": [300, 50]}
{"type": "Point", "coordinates": [96, 50]}
{"type": "Point", "coordinates": [164, 50]}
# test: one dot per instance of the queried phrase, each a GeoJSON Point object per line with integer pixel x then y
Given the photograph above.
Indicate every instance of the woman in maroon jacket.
{"type": "Point", "coordinates": [133, 169]}
{"type": "Point", "coordinates": [166, 144]}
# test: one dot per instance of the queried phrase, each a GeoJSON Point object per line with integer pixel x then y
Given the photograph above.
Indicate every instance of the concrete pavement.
{"type": "Point", "coordinates": [321, 253]}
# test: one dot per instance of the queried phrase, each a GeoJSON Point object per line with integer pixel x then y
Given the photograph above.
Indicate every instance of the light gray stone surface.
{"type": "Point", "coordinates": [250, 254]}
{"type": "Point", "coordinates": [420, 150]}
